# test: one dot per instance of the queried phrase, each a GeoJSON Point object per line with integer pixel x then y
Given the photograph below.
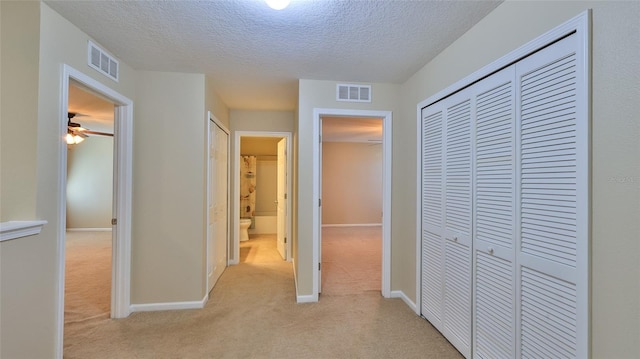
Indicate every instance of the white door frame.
{"type": "Point", "coordinates": [123, 154]}
{"type": "Point", "coordinates": [235, 259]}
{"type": "Point", "coordinates": [211, 118]}
{"type": "Point", "coordinates": [386, 190]}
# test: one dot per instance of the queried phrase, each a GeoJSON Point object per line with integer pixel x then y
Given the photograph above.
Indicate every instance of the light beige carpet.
{"type": "Point", "coordinates": [252, 313]}
{"type": "Point", "coordinates": [351, 260]}
{"type": "Point", "coordinates": [87, 276]}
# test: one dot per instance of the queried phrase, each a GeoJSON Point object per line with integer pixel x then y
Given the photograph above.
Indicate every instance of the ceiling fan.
{"type": "Point", "coordinates": [76, 133]}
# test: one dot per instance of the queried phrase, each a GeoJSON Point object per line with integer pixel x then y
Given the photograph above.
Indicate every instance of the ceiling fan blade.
{"type": "Point", "coordinates": [97, 133]}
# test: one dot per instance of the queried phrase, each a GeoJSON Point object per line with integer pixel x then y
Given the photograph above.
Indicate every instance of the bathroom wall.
{"type": "Point", "coordinates": [266, 186]}
{"type": "Point", "coordinates": [265, 148]}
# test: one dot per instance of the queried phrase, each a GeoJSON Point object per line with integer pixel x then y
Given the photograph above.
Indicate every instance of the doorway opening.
{"type": "Point", "coordinates": [89, 207]}
{"type": "Point", "coordinates": [351, 239]}
{"type": "Point", "coordinates": [120, 221]}
{"type": "Point", "coordinates": [383, 139]}
{"type": "Point", "coordinates": [262, 204]}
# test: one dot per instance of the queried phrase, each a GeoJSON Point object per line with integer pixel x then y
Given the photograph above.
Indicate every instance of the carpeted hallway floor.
{"type": "Point", "coordinates": [252, 314]}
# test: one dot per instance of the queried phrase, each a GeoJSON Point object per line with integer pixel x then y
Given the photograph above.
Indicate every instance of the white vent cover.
{"type": "Point", "coordinates": [103, 62]}
{"type": "Point", "coordinates": [353, 93]}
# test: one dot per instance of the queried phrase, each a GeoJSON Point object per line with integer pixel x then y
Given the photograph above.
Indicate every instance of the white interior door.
{"type": "Point", "coordinates": [281, 199]}
{"type": "Point", "coordinates": [217, 204]}
{"type": "Point", "coordinates": [320, 212]}
{"type": "Point", "coordinates": [222, 227]}
{"type": "Point", "coordinates": [211, 203]}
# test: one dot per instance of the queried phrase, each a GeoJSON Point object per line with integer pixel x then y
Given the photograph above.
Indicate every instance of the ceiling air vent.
{"type": "Point", "coordinates": [103, 62]}
{"type": "Point", "coordinates": [353, 93]}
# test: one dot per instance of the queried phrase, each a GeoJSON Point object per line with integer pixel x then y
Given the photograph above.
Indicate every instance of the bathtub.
{"type": "Point", "coordinates": [264, 223]}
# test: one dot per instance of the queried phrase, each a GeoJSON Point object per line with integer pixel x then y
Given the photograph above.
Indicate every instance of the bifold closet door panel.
{"type": "Point", "coordinates": [494, 229]}
{"type": "Point", "coordinates": [553, 240]}
{"type": "Point", "coordinates": [432, 215]}
{"type": "Point", "coordinates": [446, 218]}
{"type": "Point", "coordinates": [458, 209]}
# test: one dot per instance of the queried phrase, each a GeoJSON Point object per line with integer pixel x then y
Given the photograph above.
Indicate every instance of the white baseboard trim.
{"type": "Point", "coordinates": [354, 225]}
{"type": "Point", "coordinates": [89, 229]}
{"type": "Point", "coordinates": [400, 294]}
{"type": "Point", "coordinates": [233, 262]}
{"type": "Point", "coordinates": [152, 307]}
{"type": "Point", "coordinates": [301, 298]}
{"type": "Point", "coordinates": [306, 298]}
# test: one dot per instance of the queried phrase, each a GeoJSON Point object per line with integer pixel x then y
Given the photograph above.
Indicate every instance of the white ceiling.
{"type": "Point", "coordinates": [92, 111]}
{"type": "Point", "coordinates": [255, 55]}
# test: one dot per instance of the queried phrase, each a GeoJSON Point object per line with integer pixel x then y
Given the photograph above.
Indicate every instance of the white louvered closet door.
{"type": "Point", "coordinates": [552, 250]}
{"type": "Point", "coordinates": [432, 217]}
{"type": "Point", "coordinates": [505, 209]}
{"type": "Point", "coordinates": [446, 218]}
{"type": "Point", "coordinates": [457, 221]}
{"type": "Point", "coordinates": [495, 217]}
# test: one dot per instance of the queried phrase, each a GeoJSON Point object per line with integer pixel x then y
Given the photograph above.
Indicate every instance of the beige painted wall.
{"type": "Point", "coordinates": [29, 269]}
{"type": "Point", "coordinates": [615, 250]}
{"type": "Point", "coordinates": [90, 183]}
{"type": "Point", "coordinates": [19, 73]}
{"type": "Point", "coordinates": [168, 238]}
{"type": "Point", "coordinates": [214, 103]}
{"type": "Point", "coordinates": [259, 146]}
{"type": "Point", "coordinates": [351, 183]}
{"type": "Point", "coordinates": [266, 121]}
{"type": "Point", "coordinates": [322, 94]}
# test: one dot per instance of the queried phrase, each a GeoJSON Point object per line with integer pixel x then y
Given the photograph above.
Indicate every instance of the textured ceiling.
{"type": "Point", "coordinates": [255, 55]}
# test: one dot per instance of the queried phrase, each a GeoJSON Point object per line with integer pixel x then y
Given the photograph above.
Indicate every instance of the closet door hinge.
{"type": "Point", "coordinates": [114, 221]}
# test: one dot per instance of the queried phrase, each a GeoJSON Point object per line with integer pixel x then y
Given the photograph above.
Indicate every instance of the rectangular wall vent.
{"type": "Point", "coordinates": [353, 93]}
{"type": "Point", "coordinates": [103, 62]}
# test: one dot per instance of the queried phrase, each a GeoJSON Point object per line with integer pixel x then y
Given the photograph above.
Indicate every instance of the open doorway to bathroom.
{"type": "Point", "coordinates": [351, 193]}
{"type": "Point", "coordinates": [89, 208]}
{"type": "Point", "coordinates": [262, 186]}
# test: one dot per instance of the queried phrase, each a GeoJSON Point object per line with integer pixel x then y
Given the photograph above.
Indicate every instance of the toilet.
{"type": "Point", "coordinates": [245, 223]}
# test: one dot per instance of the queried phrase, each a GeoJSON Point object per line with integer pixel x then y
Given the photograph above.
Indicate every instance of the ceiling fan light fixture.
{"type": "Point", "coordinates": [278, 4]}
{"type": "Point", "coordinates": [73, 138]}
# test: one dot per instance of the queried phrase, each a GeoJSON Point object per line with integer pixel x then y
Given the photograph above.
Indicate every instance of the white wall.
{"type": "Point", "coordinates": [615, 252]}
{"type": "Point", "coordinates": [90, 183]}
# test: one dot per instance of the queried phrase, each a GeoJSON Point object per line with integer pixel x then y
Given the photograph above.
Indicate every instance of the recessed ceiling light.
{"type": "Point", "coordinates": [277, 4]}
